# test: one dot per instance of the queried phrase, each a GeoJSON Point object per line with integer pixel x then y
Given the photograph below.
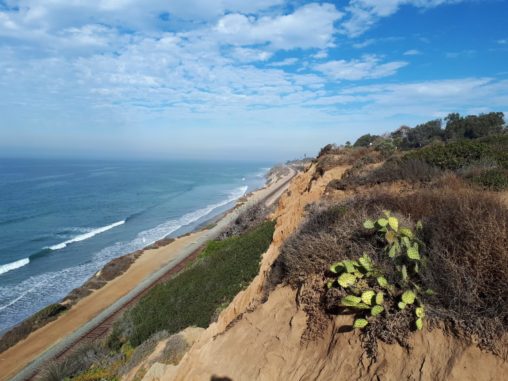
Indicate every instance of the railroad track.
{"type": "Point", "coordinates": [100, 326]}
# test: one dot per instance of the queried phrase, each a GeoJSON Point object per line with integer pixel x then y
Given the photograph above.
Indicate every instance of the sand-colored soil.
{"type": "Point", "coordinates": [20, 355]}
{"type": "Point", "coordinates": [256, 340]}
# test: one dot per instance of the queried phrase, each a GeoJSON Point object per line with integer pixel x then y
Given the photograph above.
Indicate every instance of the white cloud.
{"type": "Point", "coordinates": [250, 55]}
{"type": "Point", "coordinates": [366, 68]}
{"type": "Point", "coordinates": [364, 44]}
{"type": "Point", "coordinates": [56, 14]}
{"type": "Point", "coordinates": [365, 13]}
{"type": "Point", "coordinates": [321, 54]}
{"type": "Point", "coordinates": [412, 52]}
{"type": "Point", "coordinates": [503, 41]}
{"type": "Point", "coordinates": [310, 26]}
{"type": "Point", "coordinates": [285, 62]}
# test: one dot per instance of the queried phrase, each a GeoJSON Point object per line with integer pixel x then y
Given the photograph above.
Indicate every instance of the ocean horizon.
{"type": "Point", "coordinates": [62, 221]}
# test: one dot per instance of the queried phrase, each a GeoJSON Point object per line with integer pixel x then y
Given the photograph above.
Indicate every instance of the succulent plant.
{"type": "Point", "coordinates": [376, 310]}
{"type": "Point", "coordinates": [408, 297]}
{"type": "Point", "coordinates": [360, 323]}
{"type": "Point", "coordinates": [363, 280]}
{"type": "Point", "coordinates": [368, 296]}
{"type": "Point", "coordinates": [346, 280]}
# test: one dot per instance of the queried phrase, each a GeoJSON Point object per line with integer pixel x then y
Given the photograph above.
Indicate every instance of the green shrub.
{"type": "Point", "coordinates": [191, 298]}
{"type": "Point", "coordinates": [365, 140]}
{"type": "Point", "coordinates": [453, 156]}
{"type": "Point", "coordinates": [37, 320]}
{"type": "Point", "coordinates": [492, 179]}
{"type": "Point", "coordinates": [411, 170]}
{"type": "Point", "coordinates": [460, 154]}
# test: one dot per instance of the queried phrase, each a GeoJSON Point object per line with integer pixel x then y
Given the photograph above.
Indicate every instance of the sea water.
{"type": "Point", "coordinates": [62, 221]}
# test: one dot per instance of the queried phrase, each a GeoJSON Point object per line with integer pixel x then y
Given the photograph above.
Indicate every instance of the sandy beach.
{"type": "Point", "coordinates": [49, 340]}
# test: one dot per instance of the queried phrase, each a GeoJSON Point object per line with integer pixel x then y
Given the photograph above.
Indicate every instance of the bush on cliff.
{"type": "Point", "coordinates": [191, 298]}
{"type": "Point", "coordinates": [465, 243]}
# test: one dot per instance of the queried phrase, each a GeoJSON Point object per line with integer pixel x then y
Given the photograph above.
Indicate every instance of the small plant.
{"type": "Point", "coordinates": [366, 285]}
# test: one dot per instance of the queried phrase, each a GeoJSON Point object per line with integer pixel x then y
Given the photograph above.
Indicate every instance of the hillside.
{"type": "Point", "coordinates": [389, 261]}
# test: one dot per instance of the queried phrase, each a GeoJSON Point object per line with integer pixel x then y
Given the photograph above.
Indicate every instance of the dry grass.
{"type": "Point", "coordinates": [466, 243]}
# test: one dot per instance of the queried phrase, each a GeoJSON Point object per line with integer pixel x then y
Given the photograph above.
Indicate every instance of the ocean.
{"type": "Point", "coordinates": [62, 221]}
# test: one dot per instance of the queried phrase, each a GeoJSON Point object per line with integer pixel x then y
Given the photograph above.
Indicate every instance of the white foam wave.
{"type": "Point", "coordinates": [21, 300]}
{"type": "Point", "coordinates": [14, 265]}
{"type": "Point", "coordinates": [163, 230]}
{"type": "Point", "coordinates": [87, 235]}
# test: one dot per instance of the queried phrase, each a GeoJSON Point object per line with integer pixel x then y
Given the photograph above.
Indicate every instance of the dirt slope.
{"type": "Point", "coordinates": [262, 341]}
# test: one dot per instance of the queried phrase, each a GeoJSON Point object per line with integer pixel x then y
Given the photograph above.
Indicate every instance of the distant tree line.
{"type": "Point", "coordinates": [456, 127]}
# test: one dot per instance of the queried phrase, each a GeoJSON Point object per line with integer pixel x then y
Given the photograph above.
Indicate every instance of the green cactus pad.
{"type": "Point", "coordinates": [380, 298]}
{"type": "Point", "coordinates": [420, 312]}
{"type": "Point", "coordinates": [329, 284]}
{"type": "Point", "coordinates": [394, 249]}
{"type": "Point", "coordinates": [406, 242]}
{"type": "Point", "coordinates": [394, 223]}
{"type": "Point", "coordinates": [401, 305]}
{"type": "Point", "coordinates": [366, 262]}
{"type": "Point", "coordinates": [367, 296]}
{"type": "Point", "coordinates": [360, 323]}
{"type": "Point", "coordinates": [376, 310]}
{"type": "Point", "coordinates": [350, 265]}
{"type": "Point", "coordinates": [419, 324]}
{"type": "Point", "coordinates": [381, 280]}
{"type": "Point", "coordinates": [404, 272]}
{"type": "Point", "coordinates": [346, 280]}
{"type": "Point", "coordinates": [406, 232]}
{"type": "Point", "coordinates": [350, 301]}
{"type": "Point", "coordinates": [369, 224]}
{"type": "Point", "coordinates": [412, 253]}
{"type": "Point", "coordinates": [382, 222]}
{"type": "Point", "coordinates": [408, 297]}
{"type": "Point", "coordinates": [336, 267]}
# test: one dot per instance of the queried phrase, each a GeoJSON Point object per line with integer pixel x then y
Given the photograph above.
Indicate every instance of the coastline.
{"type": "Point", "coordinates": [146, 265]}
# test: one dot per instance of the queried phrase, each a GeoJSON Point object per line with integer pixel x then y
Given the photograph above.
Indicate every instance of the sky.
{"type": "Point", "coordinates": [239, 80]}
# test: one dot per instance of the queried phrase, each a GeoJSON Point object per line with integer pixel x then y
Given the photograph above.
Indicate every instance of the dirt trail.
{"type": "Point", "coordinates": [50, 340]}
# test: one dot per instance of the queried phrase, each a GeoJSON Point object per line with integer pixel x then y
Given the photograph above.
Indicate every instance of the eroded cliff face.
{"type": "Point", "coordinates": [256, 339]}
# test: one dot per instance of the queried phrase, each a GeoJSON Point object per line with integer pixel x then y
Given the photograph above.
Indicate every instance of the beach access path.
{"type": "Point", "coordinates": [24, 359]}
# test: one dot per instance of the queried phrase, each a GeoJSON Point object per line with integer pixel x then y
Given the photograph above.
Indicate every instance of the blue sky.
{"type": "Point", "coordinates": [267, 79]}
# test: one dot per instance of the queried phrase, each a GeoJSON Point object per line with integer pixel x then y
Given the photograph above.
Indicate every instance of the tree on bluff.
{"type": "Point", "coordinates": [365, 140]}
{"type": "Point", "coordinates": [473, 126]}
{"type": "Point", "coordinates": [423, 134]}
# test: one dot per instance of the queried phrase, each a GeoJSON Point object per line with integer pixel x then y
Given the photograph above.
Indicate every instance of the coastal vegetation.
{"type": "Point", "coordinates": [36, 321]}
{"type": "Point", "coordinates": [192, 298]}
{"type": "Point", "coordinates": [412, 235]}
{"type": "Point", "coordinates": [439, 257]}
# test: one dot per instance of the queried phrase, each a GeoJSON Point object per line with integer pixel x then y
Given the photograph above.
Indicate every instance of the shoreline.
{"type": "Point", "coordinates": [111, 270]}
{"type": "Point", "coordinates": [151, 261]}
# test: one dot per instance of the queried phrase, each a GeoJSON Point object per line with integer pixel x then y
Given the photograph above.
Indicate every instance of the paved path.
{"type": "Point", "coordinates": [100, 324]}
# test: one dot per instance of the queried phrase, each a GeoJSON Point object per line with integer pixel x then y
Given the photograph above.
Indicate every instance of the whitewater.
{"type": "Point", "coordinates": [96, 213]}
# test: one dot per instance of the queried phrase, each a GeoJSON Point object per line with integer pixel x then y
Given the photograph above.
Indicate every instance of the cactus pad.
{"type": "Point", "coordinates": [376, 310]}
{"type": "Point", "coordinates": [360, 323]}
{"type": "Point", "coordinates": [367, 296]}
{"type": "Point", "coordinates": [394, 223]}
{"type": "Point", "coordinates": [408, 297]}
{"type": "Point", "coordinates": [346, 280]}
